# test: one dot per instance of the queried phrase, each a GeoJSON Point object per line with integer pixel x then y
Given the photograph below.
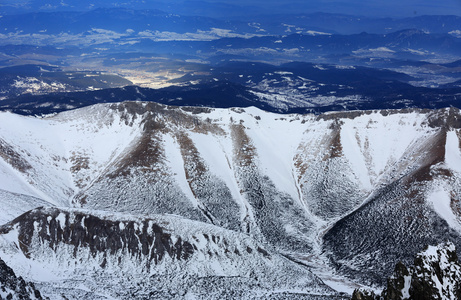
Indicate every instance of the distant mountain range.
{"type": "Point", "coordinates": [242, 9]}
{"type": "Point", "coordinates": [289, 88]}
{"type": "Point", "coordinates": [117, 54]}
{"type": "Point", "coordinates": [121, 19]}
{"type": "Point", "coordinates": [119, 39]}
{"type": "Point", "coordinates": [41, 79]}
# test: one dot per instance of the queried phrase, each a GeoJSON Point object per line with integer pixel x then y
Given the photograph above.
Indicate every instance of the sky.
{"type": "Point", "coordinates": [388, 8]}
{"type": "Point", "coordinates": [385, 8]}
{"type": "Point", "coordinates": [231, 8]}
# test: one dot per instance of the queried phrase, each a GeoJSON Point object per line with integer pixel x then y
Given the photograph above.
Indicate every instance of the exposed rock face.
{"type": "Point", "coordinates": [13, 287]}
{"type": "Point", "coordinates": [397, 282]}
{"type": "Point", "coordinates": [436, 274]}
{"type": "Point", "coordinates": [8, 154]}
{"type": "Point", "coordinates": [361, 294]}
{"type": "Point", "coordinates": [145, 240]}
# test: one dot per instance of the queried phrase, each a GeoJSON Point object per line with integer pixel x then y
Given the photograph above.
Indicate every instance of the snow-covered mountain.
{"type": "Point", "coordinates": [234, 198]}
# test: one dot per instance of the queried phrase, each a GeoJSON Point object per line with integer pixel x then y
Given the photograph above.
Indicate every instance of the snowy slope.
{"type": "Point", "coordinates": [162, 256]}
{"type": "Point", "coordinates": [52, 158]}
{"type": "Point", "coordinates": [304, 186]}
{"type": "Point", "coordinates": [420, 207]}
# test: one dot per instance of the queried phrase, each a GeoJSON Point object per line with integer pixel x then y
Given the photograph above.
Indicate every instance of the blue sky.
{"type": "Point", "coordinates": [373, 8]}
{"type": "Point", "coordinates": [382, 8]}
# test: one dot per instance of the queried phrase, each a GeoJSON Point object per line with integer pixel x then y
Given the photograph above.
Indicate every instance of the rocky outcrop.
{"type": "Point", "coordinates": [145, 240]}
{"type": "Point", "coordinates": [362, 294]}
{"type": "Point", "coordinates": [13, 287]}
{"type": "Point", "coordinates": [436, 274]}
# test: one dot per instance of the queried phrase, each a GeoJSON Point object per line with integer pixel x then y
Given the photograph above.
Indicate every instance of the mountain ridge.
{"type": "Point", "coordinates": [306, 196]}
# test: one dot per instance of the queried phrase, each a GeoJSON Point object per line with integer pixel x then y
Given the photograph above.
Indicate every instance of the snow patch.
{"type": "Point", "coordinates": [176, 164]}
{"type": "Point", "coordinates": [353, 152]}
{"type": "Point", "coordinates": [440, 200]}
{"type": "Point", "coordinates": [452, 152]}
